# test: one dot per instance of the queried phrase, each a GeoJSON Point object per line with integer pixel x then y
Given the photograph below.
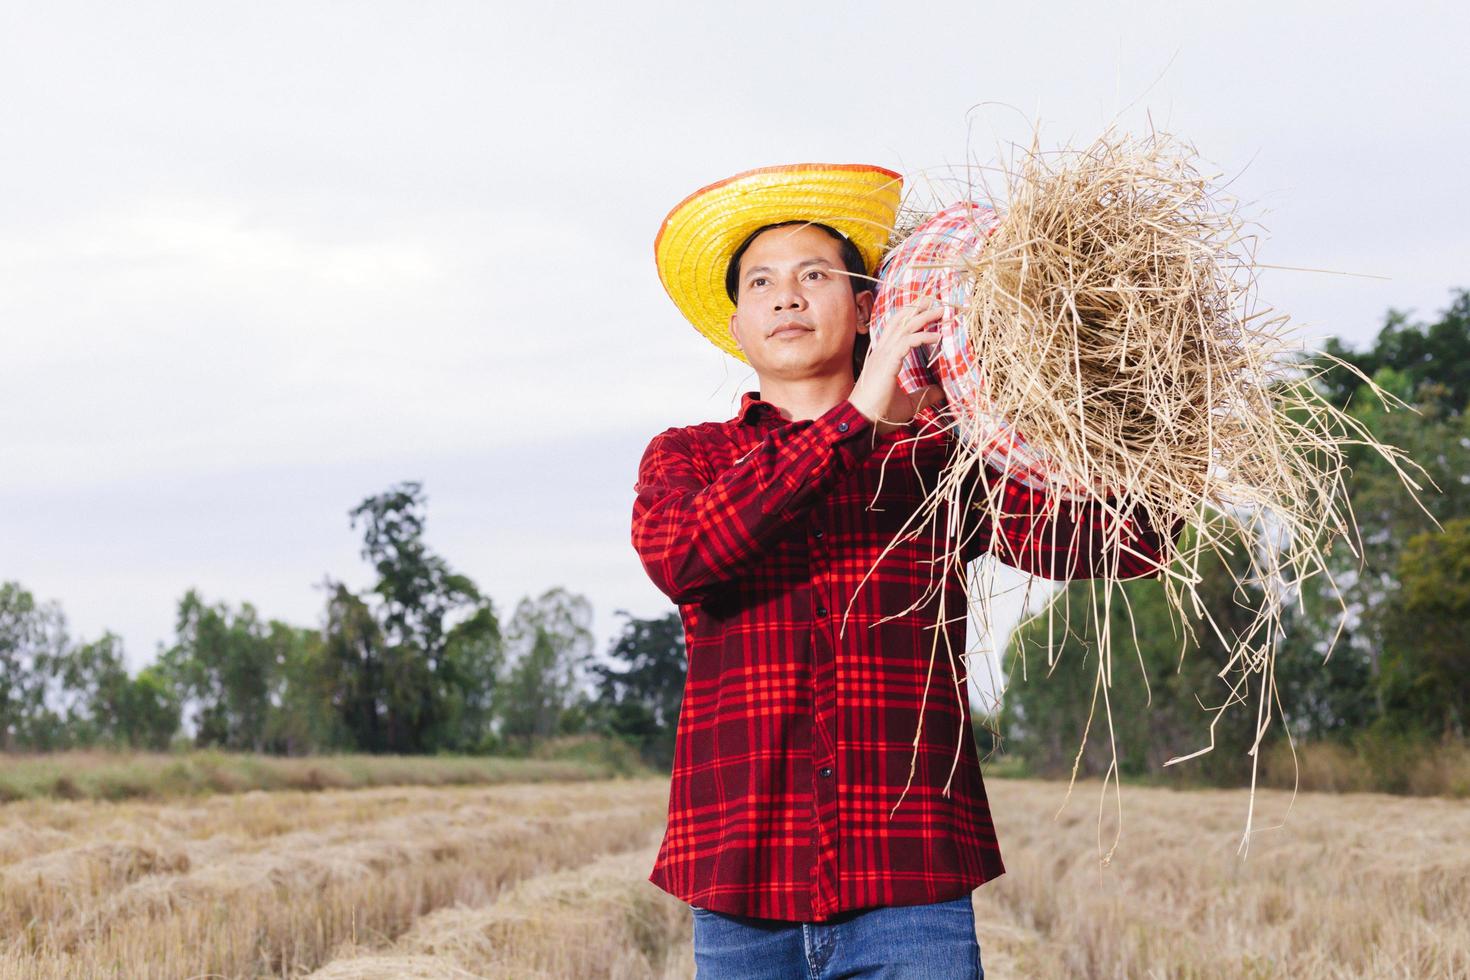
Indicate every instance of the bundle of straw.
{"type": "Point", "coordinates": [1110, 321]}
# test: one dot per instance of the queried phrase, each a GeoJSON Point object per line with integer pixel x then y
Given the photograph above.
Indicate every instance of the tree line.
{"type": "Point", "coordinates": [419, 663]}
{"type": "Point", "coordinates": [1398, 676]}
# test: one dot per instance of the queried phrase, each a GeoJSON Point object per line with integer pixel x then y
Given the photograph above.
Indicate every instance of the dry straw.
{"type": "Point", "coordinates": [1114, 316]}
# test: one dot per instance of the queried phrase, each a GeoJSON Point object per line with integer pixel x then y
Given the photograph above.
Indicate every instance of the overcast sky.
{"type": "Point", "coordinates": [259, 261]}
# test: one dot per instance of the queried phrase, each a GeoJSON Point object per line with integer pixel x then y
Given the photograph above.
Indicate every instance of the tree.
{"type": "Point", "coordinates": [224, 666]}
{"type": "Point", "coordinates": [32, 641]}
{"type": "Point", "coordinates": [302, 717]}
{"type": "Point", "coordinates": [419, 591]}
{"type": "Point", "coordinates": [473, 660]}
{"type": "Point", "coordinates": [104, 705]}
{"type": "Point", "coordinates": [1434, 358]}
{"type": "Point", "coordinates": [417, 671]}
{"type": "Point", "coordinates": [533, 695]}
{"type": "Point", "coordinates": [150, 711]}
{"type": "Point", "coordinates": [550, 638]}
{"type": "Point", "coordinates": [1428, 366]}
{"type": "Point", "coordinates": [640, 694]}
{"type": "Point", "coordinates": [353, 664]}
{"type": "Point", "coordinates": [94, 691]}
{"type": "Point", "coordinates": [55, 694]}
{"type": "Point", "coordinates": [1426, 669]}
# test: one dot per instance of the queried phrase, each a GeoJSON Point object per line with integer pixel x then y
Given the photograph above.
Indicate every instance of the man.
{"type": "Point", "coordinates": [811, 623]}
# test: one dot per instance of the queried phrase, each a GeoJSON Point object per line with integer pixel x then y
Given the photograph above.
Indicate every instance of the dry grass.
{"type": "Point", "coordinates": [551, 881]}
{"type": "Point", "coordinates": [271, 883]}
{"type": "Point", "coordinates": [1359, 885]}
{"type": "Point", "coordinates": [626, 929]}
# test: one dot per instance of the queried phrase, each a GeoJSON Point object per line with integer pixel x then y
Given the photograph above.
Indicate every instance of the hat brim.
{"type": "Point", "coordinates": [702, 232]}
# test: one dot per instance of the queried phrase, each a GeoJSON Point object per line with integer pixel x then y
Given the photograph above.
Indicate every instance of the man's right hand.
{"type": "Point", "coordinates": [877, 393]}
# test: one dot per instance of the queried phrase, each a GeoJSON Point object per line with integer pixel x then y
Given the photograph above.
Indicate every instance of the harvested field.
{"type": "Point", "coordinates": [271, 883]}
{"type": "Point", "coordinates": [599, 920]}
{"type": "Point", "coordinates": [1354, 885]}
{"type": "Point", "coordinates": [550, 881]}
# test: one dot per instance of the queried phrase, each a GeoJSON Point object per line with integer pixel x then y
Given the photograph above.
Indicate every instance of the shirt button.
{"type": "Point", "coordinates": [841, 426]}
{"type": "Point", "coordinates": [821, 610]}
{"type": "Point", "coordinates": [817, 533]}
{"type": "Point", "coordinates": [825, 771]}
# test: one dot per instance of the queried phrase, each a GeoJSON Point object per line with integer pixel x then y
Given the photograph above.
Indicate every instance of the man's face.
{"type": "Point", "coordinates": [795, 315]}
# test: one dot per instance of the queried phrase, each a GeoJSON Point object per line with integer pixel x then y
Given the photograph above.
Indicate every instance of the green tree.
{"type": "Point", "coordinates": [417, 671]}
{"type": "Point", "coordinates": [224, 666]}
{"type": "Point", "coordinates": [550, 639]}
{"type": "Point", "coordinates": [149, 711]}
{"type": "Point", "coordinates": [93, 691]}
{"type": "Point", "coordinates": [473, 661]}
{"type": "Point", "coordinates": [302, 717]}
{"type": "Point", "coordinates": [533, 697]}
{"type": "Point", "coordinates": [1426, 670]}
{"type": "Point", "coordinates": [1434, 358]}
{"type": "Point", "coordinates": [94, 681]}
{"type": "Point", "coordinates": [640, 693]}
{"type": "Point", "coordinates": [1428, 366]}
{"type": "Point", "coordinates": [32, 642]}
{"type": "Point", "coordinates": [55, 694]}
{"type": "Point", "coordinates": [353, 664]}
{"type": "Point", "coordinates": [104, 705]}
{"type": "Point", "coordinates": [1327, 691]}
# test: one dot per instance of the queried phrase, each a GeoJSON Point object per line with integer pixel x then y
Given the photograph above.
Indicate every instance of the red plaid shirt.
{"type": "Point", "coordinates": [796, 734]}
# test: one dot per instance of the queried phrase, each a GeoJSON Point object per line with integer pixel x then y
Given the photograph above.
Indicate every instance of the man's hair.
{"type": "Point", "coordinates": [852, 261]}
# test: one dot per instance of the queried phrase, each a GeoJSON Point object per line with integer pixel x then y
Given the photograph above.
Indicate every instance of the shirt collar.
{"type": "Point", "coordinates": [753, 409]}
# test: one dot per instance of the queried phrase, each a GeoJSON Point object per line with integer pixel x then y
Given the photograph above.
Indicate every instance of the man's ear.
{"type": "Point", "coordinates": [864, 302]}
{"type": "Point", "coordinates": [735, 329]}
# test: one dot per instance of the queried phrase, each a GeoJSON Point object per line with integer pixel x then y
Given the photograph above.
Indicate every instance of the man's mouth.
{"type": "Point", "coordinates": [783, 329]}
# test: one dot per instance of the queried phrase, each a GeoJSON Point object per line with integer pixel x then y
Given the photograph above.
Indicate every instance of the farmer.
{"type": "Point", "coordinates": [802, 702]}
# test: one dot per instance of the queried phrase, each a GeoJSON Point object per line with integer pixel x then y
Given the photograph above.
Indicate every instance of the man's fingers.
{"type": "Point", "coordinates": [918, 316]}
{"type": "Point", "coordinates": [920, 324]}
{"type": "Point", "coordinates": [891, 355]}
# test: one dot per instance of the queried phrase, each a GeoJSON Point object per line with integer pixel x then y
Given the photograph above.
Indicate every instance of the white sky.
{"type": "Point", "coordinates": [259, 261]}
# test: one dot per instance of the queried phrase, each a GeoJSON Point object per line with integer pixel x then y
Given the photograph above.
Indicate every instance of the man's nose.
{"type": "Point", "coordinates": [789, 297]}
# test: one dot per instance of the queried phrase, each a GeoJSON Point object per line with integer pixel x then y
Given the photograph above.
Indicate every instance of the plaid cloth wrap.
{"type": "Point", "coordinates": [931, 264]}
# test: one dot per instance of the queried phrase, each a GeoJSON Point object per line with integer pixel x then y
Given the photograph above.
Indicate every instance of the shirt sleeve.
{"type": "Point", "coordinates": [694, 530]}
{"type": "Point", "coordinates": [1065, 540]}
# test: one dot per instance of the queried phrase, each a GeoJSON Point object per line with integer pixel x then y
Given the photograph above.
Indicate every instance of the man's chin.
{"type": "Point", "coordinates": [796, 366]}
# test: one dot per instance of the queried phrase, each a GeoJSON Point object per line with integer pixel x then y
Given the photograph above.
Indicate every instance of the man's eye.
{"type": "Point", "coordinates": [758, 281]}
{"type": "Point", "coordinates": [818, 273]}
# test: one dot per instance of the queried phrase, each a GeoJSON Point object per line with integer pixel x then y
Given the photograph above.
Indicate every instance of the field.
{"type": "Point", "coordinates": [548, 879]}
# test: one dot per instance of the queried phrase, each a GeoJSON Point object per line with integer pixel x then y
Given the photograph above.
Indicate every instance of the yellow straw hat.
{"type": "Point", "coordinates": [702, 232]}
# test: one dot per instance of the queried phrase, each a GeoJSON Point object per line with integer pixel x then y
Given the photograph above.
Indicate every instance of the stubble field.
{"type": "Point", "coordinates": [549, 880]}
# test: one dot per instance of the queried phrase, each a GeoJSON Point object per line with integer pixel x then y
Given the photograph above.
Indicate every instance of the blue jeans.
{"type": "Point", "coordinates": [902, 942]}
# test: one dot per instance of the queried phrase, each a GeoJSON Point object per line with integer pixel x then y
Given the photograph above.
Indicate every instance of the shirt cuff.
{"type": "Point", "coordinates": [845, 421]}
{"type": "Point", "coordinates": [848, 431]}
